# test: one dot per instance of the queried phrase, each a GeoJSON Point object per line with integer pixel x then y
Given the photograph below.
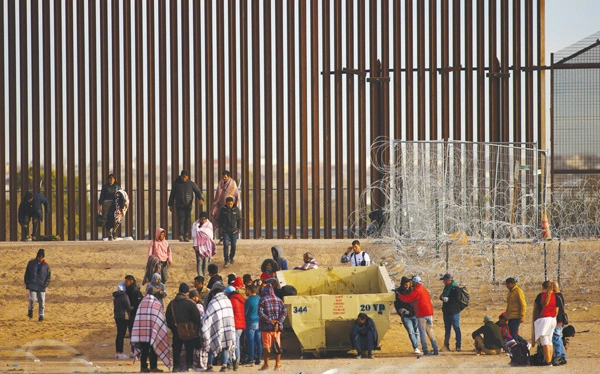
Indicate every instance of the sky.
{"type": "Point", "coordinates": [568, 21]}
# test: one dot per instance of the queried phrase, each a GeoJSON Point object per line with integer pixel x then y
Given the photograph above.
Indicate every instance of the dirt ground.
{"type": "Point", "coordinates": [79, 331]}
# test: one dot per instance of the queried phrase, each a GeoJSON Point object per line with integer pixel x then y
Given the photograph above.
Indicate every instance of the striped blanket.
{"type": "Point", "coordinates": [150, 326]}
{"type": "Point", "coordinates": [218, 326]}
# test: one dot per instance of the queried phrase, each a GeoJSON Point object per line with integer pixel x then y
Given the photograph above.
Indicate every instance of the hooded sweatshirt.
{"type": "Point", "coordinates": [277, 252]}
{"type": "Point", "coordinates": [122, 307]}
{"type": "Point", "coordinates": [160, 248]}
{"type": "Point", "coordinates": [150, 288]}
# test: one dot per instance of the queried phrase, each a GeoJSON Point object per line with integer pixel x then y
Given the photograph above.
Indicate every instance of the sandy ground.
{"type": "Point", "coordinates": [79, 331]}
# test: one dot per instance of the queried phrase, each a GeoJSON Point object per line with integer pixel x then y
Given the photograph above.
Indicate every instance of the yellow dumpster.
{"type": "Point", "coordinates": [329, 300]}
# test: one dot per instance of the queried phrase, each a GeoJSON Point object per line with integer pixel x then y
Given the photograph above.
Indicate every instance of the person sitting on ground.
{"type": "Point", "coordinates": [491, 342]}
{"type": "Point", "coordinates": [269, 268]}
{"type": "Point", "coordinates": [504, 331]}
{"type": "Point", "coordinates": [156, 288]}
{"type": "Point", "coordinates": [309, 262]}
{"type": "Point", "coordinates": [213, 273]}
{"type": "Point", "coordinates": [277, 253]}
{"type": "Point", "coordinates": [363, 336]}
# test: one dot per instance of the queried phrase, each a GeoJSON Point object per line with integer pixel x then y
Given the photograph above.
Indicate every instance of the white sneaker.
{"type": "Point", "coordinates": [122, 356]}
{"type": "Point", "coordinates": [417, 351]}
{"type": "Point", "coordinates": [529, 346]}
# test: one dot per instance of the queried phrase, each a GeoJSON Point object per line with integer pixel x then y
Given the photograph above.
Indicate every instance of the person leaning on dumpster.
{"type": "Point", "coordinates": [491, 342]}
{"type": "Point", "coordinates": [363, 336]}
{"type": "Point", "coordinates": [357, 257]}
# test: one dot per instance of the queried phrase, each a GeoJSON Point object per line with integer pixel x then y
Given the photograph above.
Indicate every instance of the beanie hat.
{"type": "Point", "coordinates": [41, 253]}
{"type": "Point", "coordinates": [193, 293]}
{"type": "Point", "coordinates": [184, 288]}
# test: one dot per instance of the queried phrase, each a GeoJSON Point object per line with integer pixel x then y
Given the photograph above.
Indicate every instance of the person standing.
{"type": "Point", "coordinates": [238, 305]}
{"type": "Point", "coordinates": [202, 242]}
{"type": "Point", "coordinates": [37, 278]}
{"type": "Point", "coordinates": [230, 221]}
{"type": "Point", "coordinates": [544, 320]}
{"type": "Point", "coordinates": [122, 313]}
{"type": "Point", "coordinates": [30, 209]}
{"type": "Point", "coordinates": [135, 298]}
{"type": "Point", "coordinates": [116, 212]}
{"type": "Point", "coordinates": [227, 187]}
{"type": "Point", "coordinates": [149, 337]}
{"type": "Point", "coordinates": [407, 314]}
{"type": "Point", "coordinates": [182, 198]}
{"type": "Point", "coordinates": [159, 248]}
{"type": "Point", "coordinates": [107, 200]}
{"type": "Point", "coordinates": [182, 310]}
{"type": "Point", "coordinates": [421, 300]}
{"type": "Point", "coordinates": [271, 314]}
{"type": "Point", "coordinates": [252, 333]}
{"type": "Point", "coordinates": [451, 311]}
{"type": "Point", "coordinates": [355, 256]}
{"type": "Point", "coordinates": [516, 307]}
{"type": "Point", "coordinates": [363, 336]}
{"type": "Point", "coordinates": [491, 342]}
{"type": "Point", "coordinates": [218, 326]}
{"type": "Point", "coordinates": [560, 355]}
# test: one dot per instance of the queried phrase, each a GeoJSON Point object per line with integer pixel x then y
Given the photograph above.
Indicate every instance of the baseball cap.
{"type": "Point", "coordinates": [510, 280]}
{"type": "Point", "coordinates": [446, 277]}
{"type": "Point", "coordinates": [487, 319]}
{"type": "Point", "coordinates": [417, 279]}
{"type": "Point", "coordinates": [229, 289]}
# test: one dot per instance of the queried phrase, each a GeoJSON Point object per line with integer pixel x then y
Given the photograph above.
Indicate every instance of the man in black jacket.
{"type": "Point", "coordinates": [135, 298]}
{"type": "Point", "coordinates": [406, 311]}
{"type": "Point", "coordinates": [230, 221]}
{"type": "Point", "coordinates": [180, 310]}
{"type": "Point", "coordinates": [37, 278]}
{"type": "Point", "coordinates": [451, 311]}
{"type": "Point", "coordinates": [182, 197]}
{"type": "Point", "coordinates": [30, 209]}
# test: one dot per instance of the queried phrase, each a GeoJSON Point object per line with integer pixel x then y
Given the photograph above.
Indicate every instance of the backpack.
{"type": "Point", "coordinates": [538, 358]}
{"type": "Point", "coordinates": [463, 297]}
{"type": "Point", "coordinates": [519, 354]}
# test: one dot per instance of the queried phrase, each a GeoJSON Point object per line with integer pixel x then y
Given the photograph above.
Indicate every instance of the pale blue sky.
{"type": "Point", "coordinates": [568, 21]}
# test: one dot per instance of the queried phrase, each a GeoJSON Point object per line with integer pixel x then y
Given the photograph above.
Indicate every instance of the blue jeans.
{"type": "Point", "coordinates": [227, 239]}
{"type": "Point", "coordinates": [426, 330]}
{"type": "Point", "coordinates": [225, 354]}
{"type": "Point", "coordinates": [557, 342]}
{"type": "Point", "coordinates": [411, 326]}
{"type": "Point", "coordinates": [513, 328]}
{"type": "Point", "coordinates": [452, 321]}
{"type": "Point", "coordinates": [364, 343]}
{"type": "Point", "coordinates": [253, 342]}
{"type": "Point", "coordinates": [238, 333]}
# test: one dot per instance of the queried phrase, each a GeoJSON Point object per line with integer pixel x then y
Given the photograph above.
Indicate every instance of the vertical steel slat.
{"type": "Point", "coordinates": [433, 72]}
{"type": "Point", "coordinates": [468, 101]}
{"type": "Point", "coordinates": [385, 71]}
{"type": "Point", "coordinates": [220, 91]}
{"type": "Point", "coordinates": [493, 125]}
{"type": "Point", "coordinates": [82, 124]}
{"type": "Point", "coordinates": [339, 138]}
{"type": "Point", "coordinates": [162, 120]}
{"type": "Point", "coordinates": [279, 122]}
{"type": "Point", "coordinates": [398, 99]}
{"type": "Point", "coordinates": [244, 183]}
{"type": "Point", "coordinates": [409, 75]}
{"type": "Point", "coordinates": [326, 60]}
{"type": "Point", "coordinates": [3, 135]}
{"type": "Point", "coordinates": [58, 77]}
{"type": "Point", "coordinates": [93, 110]}
{"type": "Point", "coordinates": [292, 123]}
{"type": "Point", "coordinates": [23, 100]}
{"type": "Point", "coordinates": [516, 74]}
{"type": "Point", "coordinates": [138, 199]}
{"type": "Point", "coordinates": [70, 124]}
{"type": "Point", "coordinates": [185, 90]}
{"type": "Point", "coordinates": [127, 226]}
{"type": "Point", "coordinates": [152, 122]}
{"type": "Point", "coordinates": [12, 117]}
{"type": "Point", "coordinates": [116, 92]}
{"type": "Point", "coordinates": [362, 113]}
{"type": "Point", "coordinates": [481, 109]}
{"type": "Point", "coordinates": [314, 64]}
{"type": "Point", "coordinates": [303, 81]}
{"type": "Point", "coordinates": [47, 114]}
{"type": "Point", "coordinates": [210, 122]}
{"type": "Point", "coordinates": [105, 95]}
{"type": "Point", "coordinates": [198, 140]}
{"type": "Point", "coordinates": [456, 81]}
{"type": "Point", "coordinates": [445, 31]}
{"type": "Point", "coordinates": [350, 122]}
{"type": "Point", "coordinates": [35, 98]}
{"type": "Point", "coordinates": [421, 70]}
{"type": "Point", "coordinates": [232, 109]}
{"type": "Point", "coordinates": [529, 73]}
{"type": "Point", "coordinates": [504, 59]}
{"type": "Point", "coordinates": [176, 144]}
{"type": "Point", "coordinates": [256, 104]}
{"type": "Point", "coordinates": [541, 74]}
{"type": "Point", "coordinates": [268, 120]}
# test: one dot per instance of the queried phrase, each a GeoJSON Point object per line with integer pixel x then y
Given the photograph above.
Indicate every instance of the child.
{"type": "Point", "coordinates": [122, 308]}
{"type": "Point", "coordinates": [252, 333]}
{"type": "Point", "coordinates": [269, 268]}
{"type": "Point", "coordinates": [156, 288]}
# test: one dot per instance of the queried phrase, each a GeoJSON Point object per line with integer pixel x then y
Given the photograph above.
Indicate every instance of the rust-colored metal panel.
{"type": "Point", "coordinates": [35, 99]}
{"type": "Point", "coordinates": [209, 103]}
{"type": "Point", "coordinates": [115, 140]}
{"type": "Point", "coordinates": [244, 182]}
{"type": "Point", "coordinates": [445, 70]}
{"type": "Point", "coordinates": [481, 110]}
{"type": "Point", "coordinates": [127, 226]}
{"type": "Point", "coordinates": [186, 140]}
{"type": "Point", "coordinates": [268, 119]}
{"type": "Point", "coordinates": [420, 70]}
{"type": "Point", "coordinates": [291, 119]}
{"type": "Point", "coordinates": [456, 74]}
{"type": "Point", "coordinates": [528, 72]}
{"type": "Point", "coordinates": [350, 122]}
{"type": "Point", "coordinates": [176, 144]}
{"type": "Point", "coordinates": [3, 59]}
{"type": "Point", "coordinates": [516, 73]}
{"type": "Point", "coordinates": [105, 143]}
{"type": "Point", "coordinates": [314, 85]}
{"type": "Point", "coordinates": [162, 119]}
{"type": "Point", "coordinates": [82, 125]}
{"type": "Point", "coordinates": [433, 72]}
{"type": "Point", "coordinates": [339, 131]}
{"type": "Point", "coordinates": [12, 118]}
{"type": "Point", "coordinates": [409, 94]}
{"type": "Point", "coordinates": [397, 47]}
{"type": "Point", "coordinates": [141, 115]}
{"type": "Point", "coordinates": [221, 140]}
{"type": "Point", "coordinates": [541, 73]}
{"type": "Point", "coordinates": [58, 130]}
{"type": "Point", "coordinates": [92, 141]}
{"type": "Point", "coordinates": [70, 123]}
{"type": "Point", "coordinates": [23, 99]}
{"type": "Point", "coordinates": [256, 104]}
{"type": "Point", "coordinates": [279, 120]}
{"type": "Point", "coordinates": [303, 81]}
{"type": "Point", "coordinates": [233, 140]}
{"type": "Point", "coordinates": [468, 100]}
{"type": "Point", "coordinates": [198, 139]}
{"type": "Point", "coordinates": [493, 89]}
{"type": "Point", "coordinates": [504, 68]}
{"type": "Point", "coordinates": [362, 112]}
{"type": "Point", "coordinates": [326, 61]}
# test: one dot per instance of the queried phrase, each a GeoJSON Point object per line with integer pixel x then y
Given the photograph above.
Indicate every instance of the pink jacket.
{"type": "Point", "coordinates": [160, 248]}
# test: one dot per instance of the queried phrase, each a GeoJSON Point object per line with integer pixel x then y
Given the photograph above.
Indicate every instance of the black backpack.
{"type": "Point", "coordinates": [463, 297]}
{"type": "Point", "coordinates": [538, 358]}
{"type": "Point", "coordinates": [519, 354]}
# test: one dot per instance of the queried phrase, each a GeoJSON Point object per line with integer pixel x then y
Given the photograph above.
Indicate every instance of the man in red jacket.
{"type": "Point", "coordinates": [420, 298]}
{"type": "Point", "coordinates": [239, 316]}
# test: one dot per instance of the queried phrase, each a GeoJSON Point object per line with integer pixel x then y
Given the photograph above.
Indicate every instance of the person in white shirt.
{"type": "Point", "coordinates": [355, 256]}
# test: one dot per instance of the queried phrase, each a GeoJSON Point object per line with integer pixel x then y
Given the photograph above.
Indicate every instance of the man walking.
{"type": "Point", "coordinates": [516, 307]}
{"type": "Point", "coordinates": [37, 278]}
{"type": "Point", "coordinates": [182, 310]}
{"type": "Point", "coordinates": [30, 209]}
{"type": "Point", "coordinates": [182, 197]}
{"type": "Point", "coordinates": [230, 221]}
{"type": "Point", "coordinates": [451, 311]}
